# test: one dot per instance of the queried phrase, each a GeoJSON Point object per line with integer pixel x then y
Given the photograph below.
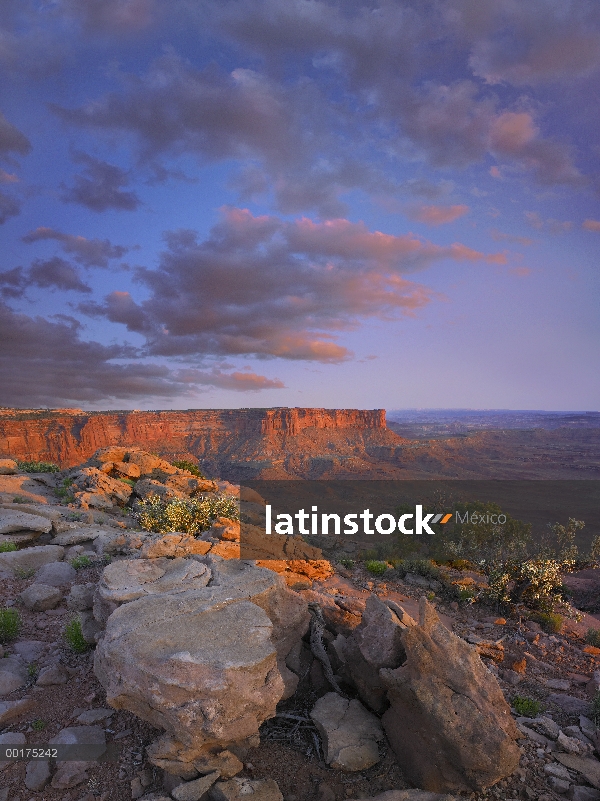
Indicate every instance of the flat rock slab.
{"type": "Point", "coordinates": [29, 559]}
{"type": "Point", "coordinates": [30, 650]}
{"type": "Point", "coordinates": [11, 522]}
{"type": "Point", "coordinates": [13, 675]}
{"type": "Point", "coordinates": [589, 768]}
{"type": "Point", "coordinates": [350, 733]}
{"type": "Point", "coordinates": [56, 574]}
{"type": "Point", "coordinates": [131, 579]}
{"type": "Point", "coordinates": [570, 704]}
{"type": "Point", "coordinates": [76, 536]}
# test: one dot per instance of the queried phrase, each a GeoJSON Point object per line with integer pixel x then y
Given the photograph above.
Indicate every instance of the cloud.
{"type": "Point", "coordinates": [551, 225]}
{"type": "Point", "coordinates": [88, 252]}
{"type": "Point", "coordinates": [536, 42]}
{"type": "Point", "coordinates": [499, 236]}
{"type": "Point", "coordinates": [112, 17]}
{"type": "Point", "coordinates": [591, 225]}
{"type": "Point", "coordinates": [100, 187]}
{"type": "Point", "coordinates": [12, 283]}
{"type": "Point", "coordinates": [11, 139]}
{"type": "Point", "coordinates": [8, 207]}
{"type": "Point", "coordinates": [47, 363]}
{"type": "Point", "coordinates": [56, 273]}
{"type": "Point", "coordinates": [437, 215]}
{"type": "Point", "coordinates": [264, 286]}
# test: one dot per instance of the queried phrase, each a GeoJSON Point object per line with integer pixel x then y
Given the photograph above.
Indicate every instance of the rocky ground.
{"type": "Point", "coordinates": [47, 690]}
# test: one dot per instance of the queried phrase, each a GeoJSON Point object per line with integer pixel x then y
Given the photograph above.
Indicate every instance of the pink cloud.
{"type": "Point", "coordinates": [437, 215]}
{"type": "Point", "coordinates": [591, 225]}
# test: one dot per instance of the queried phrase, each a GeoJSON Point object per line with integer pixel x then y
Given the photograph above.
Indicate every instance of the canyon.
{"type": "Point", "coordinates": [283, 443]}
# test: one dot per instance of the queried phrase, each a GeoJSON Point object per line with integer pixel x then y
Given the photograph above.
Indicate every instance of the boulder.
{"type": "Point", "coordinates": [196, 789]}
{"type": "Point", "coordinates": [76, 536]}
{"type": "Point", "coordinates": [127, 469]}
{"type": "Point", "coordinates": [408, 795]}
{"type": "Point", "coordinates": [243, 789]}
{"type": "Point", "coordinates": [569, 703]}
{"type": "Point", "coordinates": [448, 722]}
{"type": "Point", "coordinates": [52, 675]}
{"type": "Point", "coordinates": [13, 675]}
{"type": "Point", "coordinates": [10, 738]}
{"type": "Point", "coordinates": [148, 486]}
{"type": "Point", "coordinates": [350, 734]}
{"type": "Point", "coordinates": [39, 597]}
{"type": "Point", "coordinates": [94, 488]}
{"type": "Point", "coordinates": [12, 521]}
{"type": "Point", "coordinates": [8, 467]}
{"type": "Point", "coordinates": [81, 597]}
{"type": "Point", "coordinates": [374, 644]}
{"type": "Point", "coordinates": [55, 574]}
{"type": "Point", "coordinates": [203, 664]}
{"type": "Point", "coordinates": [12, 711]}
{"type": "Point", "coordinates": [37, 774]}
{"type": "Point", "coordinates": [29, 558]}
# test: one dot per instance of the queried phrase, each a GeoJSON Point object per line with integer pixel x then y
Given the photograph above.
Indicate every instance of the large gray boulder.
{"type": "Point", "coordinates": [13, 675]}
{"type": "Point", "coordinates": [39, 597]}
{"type": "Point", "coordinates": [448, 722]}
{"type": "Point", "coordinates": [202, 664]}
{"type": "Point", "coordinates": [374, 644]}
{"type": "Point", "coordinates": [56, 574]}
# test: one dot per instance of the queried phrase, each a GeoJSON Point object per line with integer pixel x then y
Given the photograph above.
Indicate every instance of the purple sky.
{"type": "Point", "coordinates": [224, 203]}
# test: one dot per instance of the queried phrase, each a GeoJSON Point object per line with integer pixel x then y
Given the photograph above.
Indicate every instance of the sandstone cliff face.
{"type": "Point", "coordinates": [240, 443]}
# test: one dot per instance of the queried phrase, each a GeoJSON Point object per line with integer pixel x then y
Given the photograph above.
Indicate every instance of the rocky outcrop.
{"type": "Point", "coordinates": [448, 722]}
{"type": "Point", "coordinates": [349, 733]}
{"type": "Point", "coordinates": [205, 664]}
{"type": "Point", "coordinates": [235, 444]}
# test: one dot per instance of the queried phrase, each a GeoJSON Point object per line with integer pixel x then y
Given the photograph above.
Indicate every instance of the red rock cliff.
{"type": "Point", "coordinates": [242, 441]}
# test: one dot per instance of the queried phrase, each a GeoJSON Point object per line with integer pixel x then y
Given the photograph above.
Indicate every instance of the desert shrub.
{"type": "Point", "coordinates": [189, 515]}
{"type": "Point", "coordinates": [129, 481]}
{"type": "Point", "coordinates": [549, 621]}
{"type": "Point", "coordinates": [422, 567]}
{"type": "Point", "coordinates": [534, 582]}
{"type": "Point", "coordinates": [593, 637]}
{"type": "Point", "coordinates": [38, 467]}
{"type": "Point", "coordinates": [7, 547]}
{"type": "Point", "coordinates": [192, 468]}
{"type": "Point", "coordinates": [74, 636]}
{"type": "Point", "coordinates": [347, 563]}
{"type": "Point", "coordinates": [24, 572]}
{"type": "Point", "coordinates": [527, 707]}
{"type": "Point", "coordinates": [80, 561]}
{"type": "Point", "coordinates": [38, 725]}
{"type": "Point", "coordinates": [375, 567]}
{"type": "Point", "coordinates": [19, 499]}
{"type": "Point", "coordinates": [10, 624]}
{"type": "Point", "coordinates": [466, 593]}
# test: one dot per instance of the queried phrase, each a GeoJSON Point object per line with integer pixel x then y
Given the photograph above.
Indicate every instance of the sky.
{"type": "Point", "coordinates": [331, 203]}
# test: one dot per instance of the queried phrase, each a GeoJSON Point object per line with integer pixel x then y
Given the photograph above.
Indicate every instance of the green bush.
{"type": "Point", "coordinates": [347, 563]}
{"type": "Point", "coordinates": [80, 561]}
{"type": "Point", "coordinates": [422, 567]}
{"type": "Point", "coordinates": [38, 725]}
{"type": "Point", "coordinates": [7, 547]}
{"type": "Point", "coordinates": [10, 624]}
{"type": "Point", "coordinates": [549, 621]}
{"type": "Point", "coordinates": [38, 467]}
{"type": "Point", "coordinates": [192, 468]}
{"type": "Point", "coordinates": [527, 707]}
{"type": "Point", "coordinates": [129, 481]}
{"type": "Point", "coordinates": [189, 515]}
{"type": "Point", "coordinates": [375, 567]}
{"type": "Point", "coordinates": [593, 637]}
{"type": "Point", "coordinates": [19, 499]}
{"type": "Point", "coordinates": [24, 572]}
{"type": "Point", "coordinates": [74, 636]}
